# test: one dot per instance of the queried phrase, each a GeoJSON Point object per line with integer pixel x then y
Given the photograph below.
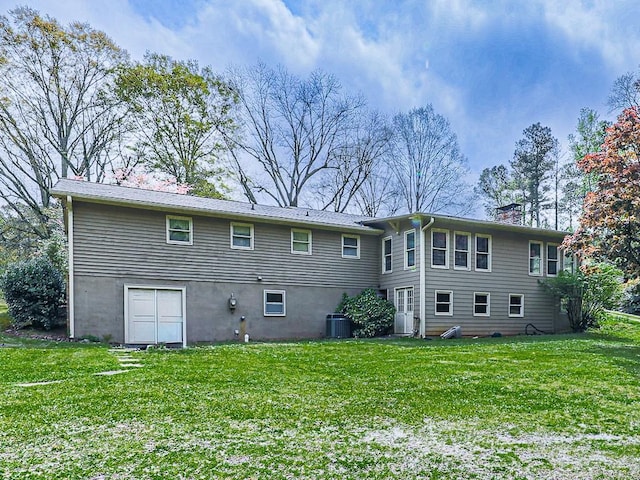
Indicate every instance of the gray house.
{"type": "Point", "coordinates": [151, 267]}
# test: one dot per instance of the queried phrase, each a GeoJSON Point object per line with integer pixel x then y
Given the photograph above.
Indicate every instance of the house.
{"type": "Point", "coordinates": [151, 267]}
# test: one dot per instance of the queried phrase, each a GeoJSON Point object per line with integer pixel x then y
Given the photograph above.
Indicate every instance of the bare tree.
{"type": "Point", "coordinates": [428, 165]}
{"type": "Point", "coordinates": [57, 118]}
{"type": "Point", "coordinates": [625, 92]}
{"type": "Point", "coordinates": [298, 133]}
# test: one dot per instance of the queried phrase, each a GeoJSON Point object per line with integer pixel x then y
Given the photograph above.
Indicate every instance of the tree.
{"type": "Point", "coordinates": [428, 164]}
{"type": "Point", "coordinates": [496, 188]}
{"type": "Point", "coordinates": [57, 118]}
{"type": "Point", "coordinates": [610, 223]}
{"type": "Point", "coordinates": [625, 92]}
{"type": "Point", "coordinates": [532, 166]}
{"type": "Point", "coordinates": [179, 112]}
{"type": "Point", "coordinates": [300, 133]}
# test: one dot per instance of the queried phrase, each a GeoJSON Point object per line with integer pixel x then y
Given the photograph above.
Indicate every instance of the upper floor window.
{"type": "Point", "coordinates": [535, 258]}
{"type": "Point", "coordinates": [409, 249]}
{"type": "Point", "coordinates": [179, 230]}
{"type": "Point", "coordinates": [301, 241]}
{"type": "Point", "coordinates": [462, 251]}
{"type": "Point", "coordinates": [386, 255]}
{"type": "Point", "coordinates": [483, 252]}
{"type": "Point", "coordinates": [440, 248]}
{"type": "Point", "coordinates": [242, 236]}
{"type": "Point", "coordinates": [350, 246]}
{"type": "Point", "coordinates": [553, 260]}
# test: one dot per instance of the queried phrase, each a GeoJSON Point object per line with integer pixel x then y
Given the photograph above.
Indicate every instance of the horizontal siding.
{"type": "Point", "coordinates": [120, 242]}
{"type": "Point", "coordinates": [509, 275]}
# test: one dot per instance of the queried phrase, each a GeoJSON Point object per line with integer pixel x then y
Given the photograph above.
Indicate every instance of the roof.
{"type": "Point", "coordinates": [466, 222]}
{"type": "Point", "coordinates": [155, 200]}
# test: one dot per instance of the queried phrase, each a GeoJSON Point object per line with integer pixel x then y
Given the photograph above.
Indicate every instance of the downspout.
{"type": "Point", "coordinates": [70, 275]}
{"type": "Point", "coordinates": [423, 277]}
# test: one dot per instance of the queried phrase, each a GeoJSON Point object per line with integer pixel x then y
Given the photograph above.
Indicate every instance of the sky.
{"type": "Point", "coordinates": [492, 68]}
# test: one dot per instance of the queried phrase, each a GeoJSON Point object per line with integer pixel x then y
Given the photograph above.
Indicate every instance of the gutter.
{"type": "Point", "coordinates": [423, 276]}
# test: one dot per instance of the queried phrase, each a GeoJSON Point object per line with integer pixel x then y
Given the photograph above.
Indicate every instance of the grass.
{"type": "Point", "coordinates": [526, 407]}
{"type": "Point", "coordinates": [5, 320]}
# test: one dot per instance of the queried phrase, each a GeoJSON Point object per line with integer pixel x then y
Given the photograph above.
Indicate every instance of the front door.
{"type": "Point", "coordinates": [154, 315]}
{"type": "Point", "coordinates": [404, 311]}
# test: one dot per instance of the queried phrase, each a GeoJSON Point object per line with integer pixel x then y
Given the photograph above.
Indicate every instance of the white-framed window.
{"type": "Point", "coordinates": [387, 254]}
{"type": "Point", "coordinates": [516, 305]}
{"type": "Point", "coordinates": [535, 258]}
{"type": "Point", "coordinates": [461, 251]}
{"type": "Point", "coordinates": [350, 246]}
{"type": "Point", "coordinates": [275, 303]}
{"type": "Point", "coordinates": [444, 302]}
{"type": "Point", "coordinates": [553, 260]}
{"type": "Point", "coordinates": [300, 241]}
{"type": "Point", "coordinates": [481, 304]}
{"type": "Point", "coordinates": [242, 236]}
{"type": "Point", "coordinates": [483, 253]}
{"type": "Point", "coordinates": [569, 262]}
{"type": "Point", "coordinates": [440, 248]}
{"type": "Point", "coordinates": [409, 249]}
{"type": "Point", "coordinates": [179, 230]}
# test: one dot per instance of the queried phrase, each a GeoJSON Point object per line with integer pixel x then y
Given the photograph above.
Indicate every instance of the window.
{"type": "Point", "coordinates": [483, 253]}
{"type": "Point", "coordinates": [516, 305]}
{"type": "Point", "coordinates": [274, 303]}
{"type": "Point", "coordinates": [242, 236]}
{"type": "Point", "coordinates": [569, 262]}
{"type": "Point", "coordinates": [535, 258]}
{"type": "Point", "coordinates": [350, 246]}
{"type": "Point", "coordinates": [444, 302]}
{"type": "Point", "coordinates": [301, 241]}
{"type": "Point", "coordinates": [461, 253]}
{"type": "Point", "coordinates": [386, 255]}
{"type": "Point", "coordinates": [179, 230]}
{"type": "Point", "coordinates": [440, 248]}
{"type": "Point", "coordinates": [552, 260]}
{"type": "Point", "coordinates": [481, 304]}
{"type": "Point", "coordinates": [409, 249]}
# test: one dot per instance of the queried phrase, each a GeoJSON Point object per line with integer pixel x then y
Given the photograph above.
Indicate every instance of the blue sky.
{"type": "Point", "coordinates": [491, 67]}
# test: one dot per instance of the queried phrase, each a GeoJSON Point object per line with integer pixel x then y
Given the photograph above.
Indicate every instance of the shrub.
{"type": "Point", "coordinates": [34, 290]}
{"type": "Point", "coordinates": [370, 314]}
{"type": "Point", "coordinates": [587, 293]}
{"type": "Point", "coordinates": [631, 297]}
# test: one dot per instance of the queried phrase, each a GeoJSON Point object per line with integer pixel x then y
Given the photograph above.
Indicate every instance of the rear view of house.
{"type": "Point", "coordinates": [150, 267]}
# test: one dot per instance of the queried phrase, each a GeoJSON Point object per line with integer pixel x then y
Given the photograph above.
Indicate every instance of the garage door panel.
{"type": "Point", "coordinates": [154, 315]}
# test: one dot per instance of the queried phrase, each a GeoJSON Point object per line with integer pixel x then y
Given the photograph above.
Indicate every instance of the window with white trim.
{"type": "Point", "coordinates": [300, 241]}
{"type": "Point", "coordinates": [483, 253]}
{"type": "Point", "coordinates": [461, 251]}
{"type": "Point", "coordinates": [179, 230]}
{"type": "Point", "coordinates": [242, 236]}
{"type": "Point", "coordinates": [553, 260]}
{"type": "Point", "coordinates": [535, 258]}
{"type": "Point", "coordinates": [481, 304]}
{"type": "Point", "coordinates": [409, 249]}
{"type": "Point", "coordinates": [444, 302]}
{"type": "Point", "coordinates": [439, 248]}
{"type": "Point", "coordinates": [274, 303]}
{"type": "Point", "coordinates": [387, 254]}
{"type": "Point", "coordinates": [516, 305]}
{"type": "Point", "coordinates": [569, 262]}
{"type": "Point", "coordinates": [350, 246]}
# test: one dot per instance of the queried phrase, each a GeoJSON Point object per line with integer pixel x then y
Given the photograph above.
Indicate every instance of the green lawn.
{"type": "Point", "coordinates": [559, 407]}
{"type": "Point", "coordinates": [5, 321]}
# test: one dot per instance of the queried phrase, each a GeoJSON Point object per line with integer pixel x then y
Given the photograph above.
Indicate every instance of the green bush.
{"type": "Point", "coordinates": [371, 315]}
{"type": "Point", "coordinates": [587, 293]}
{"type": "Point", "coordinates": [34, 290]}
{"type": "Point", "coordinates": [631, 297]}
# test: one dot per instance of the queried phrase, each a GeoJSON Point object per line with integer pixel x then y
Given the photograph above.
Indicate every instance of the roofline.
{"type": "Point", "coordinates": [150, 205]}
{"type": "Point", "coordinates": [483, 223]}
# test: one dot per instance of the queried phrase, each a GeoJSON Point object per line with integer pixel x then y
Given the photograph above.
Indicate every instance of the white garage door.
{"type": "Point", "coordinates": [154, 315]}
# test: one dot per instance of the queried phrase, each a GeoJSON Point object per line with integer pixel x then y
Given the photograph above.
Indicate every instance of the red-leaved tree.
{"type": "Point", "coordinates": [610, 224]}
